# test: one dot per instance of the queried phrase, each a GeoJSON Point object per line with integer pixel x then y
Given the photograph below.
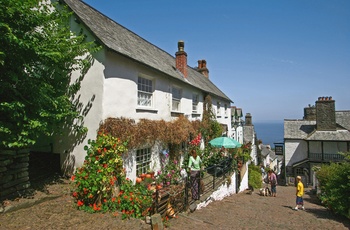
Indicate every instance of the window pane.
{"type": "Point", "coordinates": [143, 160]}
{"type": "Point", "coordinates": [145, 92]}
{"type": "Point", "coordinates": [176, 105]}
{"type": "Point", "coordinates": [176, 93]}
{"type": "Point", "coordinates": [194, 102]}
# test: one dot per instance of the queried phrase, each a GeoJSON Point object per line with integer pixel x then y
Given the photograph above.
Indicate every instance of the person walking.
{"type": "Point", "coordinates": [299, 194]}
{"type": "Point", "coordinates": [195, 166]}
{"type": "Point", "coordinates": [273, 182]}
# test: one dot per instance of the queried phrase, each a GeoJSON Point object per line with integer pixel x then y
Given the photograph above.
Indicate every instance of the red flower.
{"type": "Point", "coordinates": [113, 199]}
{"type": "Point", "coordinates": [96, 208]}
{"type": "Point", "coordinates": [105, 165]}
{"type": "Point", "coordinates": [75, 194]}
{"type": "Point", "coordinates": [80, 203]}
{"type": "Point", "coordinates": [73, 178]}
{"type": "Point", "coordinates": [104, 149]}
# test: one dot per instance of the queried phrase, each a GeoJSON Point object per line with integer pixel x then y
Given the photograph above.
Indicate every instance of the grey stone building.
{"type": "Point", "coordinates": [318, 138]}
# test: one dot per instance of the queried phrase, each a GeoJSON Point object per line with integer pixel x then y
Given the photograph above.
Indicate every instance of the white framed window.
{"type": "Point", "coordinates": [218, 108]}
{"type": "Point", "coordinates": [176, 101]}
{"type": "Point", "coordinates": [144, 92]}
{"type": "Point", "coordinates": [143, 160]}
{"type": "Point", "coordinates": [225, 110]}
{"type": "Point", "coordinates": [195, 101]}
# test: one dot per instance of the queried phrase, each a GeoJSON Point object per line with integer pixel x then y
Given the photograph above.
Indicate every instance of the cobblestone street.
{"type": "Point", "coordinates": [239, 211]}
{"type": "Point", "coordinates": [244, 211]}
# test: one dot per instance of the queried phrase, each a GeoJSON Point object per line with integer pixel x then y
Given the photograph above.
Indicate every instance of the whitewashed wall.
{"type": "Point", "coordinates": [110, 90]}
{"type": "Point", "coordinates": [295, 150]}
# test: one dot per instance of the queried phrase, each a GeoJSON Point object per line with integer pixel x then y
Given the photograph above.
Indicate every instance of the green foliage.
{"type": "Point", "coordinates": [210, 127]}
{"type": "Point", "coordinates": [334, 182]}
{"type": "Point", "coordinates": [211, 156]}
{"type": "Point", "coordinates": [254, 176]}
{"type": "Point", "coordinates": [243, 153]}
{"type": "Point", "coordinates": [100, 178]}
{"type": "Point", "coordinates": [38, 53]}
{"type": "Point", "coordinates": [134, 200]}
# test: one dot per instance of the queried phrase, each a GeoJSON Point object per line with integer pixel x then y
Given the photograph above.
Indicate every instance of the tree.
{"type": "Point", "coordinates": [210, 127]}
{"type": "Point", "coordinates": [38, 53]}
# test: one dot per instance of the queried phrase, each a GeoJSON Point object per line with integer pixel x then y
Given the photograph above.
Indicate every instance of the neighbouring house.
{"type": "Point", "coordinates": [237, 124]}
{"type": "Point", "coordinates": [249, 137]}
{"type": "Point", "coordinates": [268, 157]}
{"type": "Point", "coordinates": [132, 78]}
{"type": "Point", "coordinates": [316, 139]}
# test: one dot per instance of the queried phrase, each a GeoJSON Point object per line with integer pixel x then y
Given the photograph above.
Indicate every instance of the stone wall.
{"type": "Point", "coordinates": [14, 174]}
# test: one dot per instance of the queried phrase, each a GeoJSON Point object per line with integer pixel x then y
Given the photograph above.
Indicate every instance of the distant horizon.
{"type": "Point", "coordinates": [270, 133]}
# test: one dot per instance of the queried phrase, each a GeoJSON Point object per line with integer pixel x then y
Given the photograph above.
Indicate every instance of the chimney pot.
{"type": "Point", "coordinates": [202, 68]}
{"type": "Point", "coordinates": [181, 45]}
{"type": "Point", "coordinates": [181, 58]}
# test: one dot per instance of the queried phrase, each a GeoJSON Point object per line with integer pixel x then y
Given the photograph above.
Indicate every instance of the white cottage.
{"type": "Point", "coordinates": [135, 79]}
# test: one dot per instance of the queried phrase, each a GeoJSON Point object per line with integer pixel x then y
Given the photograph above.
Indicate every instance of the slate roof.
{"type": "Point", "coordinates": [306, 130]}
{"type": "Point", "coordinates": [119, 39]}
{"type": "Point", "coordinates": [343, 119]}
{"type": "Point", "coordinates": [265, 151]}
{"type": "Point", "coordinates": [298, 129]}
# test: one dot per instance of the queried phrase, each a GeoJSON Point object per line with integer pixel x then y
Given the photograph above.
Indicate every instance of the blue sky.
{"type": "Point", "coordinates": [271, 57]}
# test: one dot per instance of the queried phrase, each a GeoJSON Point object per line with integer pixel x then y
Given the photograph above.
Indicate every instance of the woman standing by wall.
{"type": "Point", "coordinates": [195, 166]}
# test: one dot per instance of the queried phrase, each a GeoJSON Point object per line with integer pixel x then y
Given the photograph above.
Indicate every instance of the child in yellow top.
{"type": "Point", "coordinates": [299, 193]}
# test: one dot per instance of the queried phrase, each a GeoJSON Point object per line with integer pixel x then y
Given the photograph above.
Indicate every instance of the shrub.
{"type": "Point", "coordinates": [334, 182]}
{"type": "Point", "coordinates": [254, 176]}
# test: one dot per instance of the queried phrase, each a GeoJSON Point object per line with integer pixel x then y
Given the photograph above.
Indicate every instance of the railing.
{"type": "Point", "coordinates": [173, 199]}
{"type": "Point", "coordinates": [326, 157]}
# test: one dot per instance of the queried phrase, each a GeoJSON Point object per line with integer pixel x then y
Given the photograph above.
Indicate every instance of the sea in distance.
{"type": "Point", "coordinates": [269, 132]}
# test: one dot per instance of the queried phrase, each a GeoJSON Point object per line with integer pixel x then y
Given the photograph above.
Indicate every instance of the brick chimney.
{"type": "Point", "coordinates": [202, 68]}
{"type": "Point", "coordinates": [181, 58]}
{"type": "Point", "coordinates": [325, 114]}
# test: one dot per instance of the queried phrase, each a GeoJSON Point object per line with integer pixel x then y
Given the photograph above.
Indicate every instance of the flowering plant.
{"type": "Point", "coordinates": [102, 168]}
{"type": "Point", "coordinates": [169, 173]}
{"type": "Point", "coordinates": [195, 143]}
{"type": "Point", "coordinates": [101, 185]}
{"type": "Point", "coordinates": [134, 200]}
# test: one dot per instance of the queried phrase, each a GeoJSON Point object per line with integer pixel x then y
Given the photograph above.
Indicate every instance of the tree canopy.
{"type": "Point", "coordinates": [38, 53]}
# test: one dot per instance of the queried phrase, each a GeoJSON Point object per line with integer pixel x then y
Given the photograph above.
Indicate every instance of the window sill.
{"type": "Point", "coordinates": [146, 110]}
{"type": "Point", "coordinates": [176, 113]}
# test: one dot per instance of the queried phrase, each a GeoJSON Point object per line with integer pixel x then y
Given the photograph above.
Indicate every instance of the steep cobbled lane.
{"type": "Point", "coordinates": [244, 211]}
